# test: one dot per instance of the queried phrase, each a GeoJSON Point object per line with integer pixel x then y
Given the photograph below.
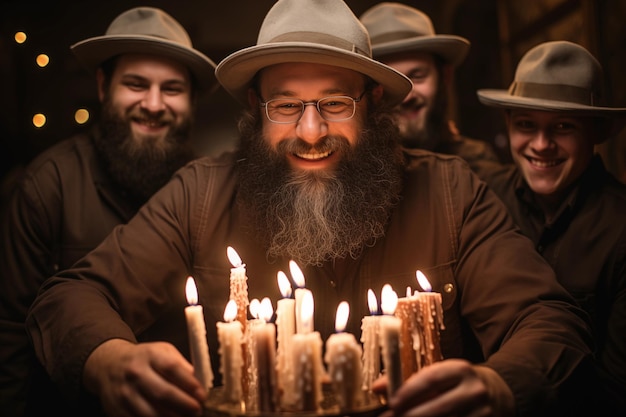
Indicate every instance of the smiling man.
{"type": "Point", "coordinates": [320, 179]}
{"type": "Point", "coordinates": [73, 194]}
{"type": "Point", "coordinates": [563, 198]}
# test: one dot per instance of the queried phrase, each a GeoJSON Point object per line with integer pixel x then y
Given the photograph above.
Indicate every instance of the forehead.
{"type": "Point", "coordinates": [147, 65]}
{"type": "Point", "coordinates": [304, 78]}
{"type": "Point", "coordinates": [409, 59]}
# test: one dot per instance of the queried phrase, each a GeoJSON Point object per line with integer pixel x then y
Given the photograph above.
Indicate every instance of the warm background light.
{"type": "Point", "coordinates": [81, 116]}
{"type": "Point", "coordinates": [42, 60]}
{"type": "Point", "coordinates": [20, 37]}
{"type": "Point", "coordinates": [39, 120]}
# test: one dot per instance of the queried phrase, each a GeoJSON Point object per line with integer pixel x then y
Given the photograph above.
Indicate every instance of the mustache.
{"type": "Point", "coordinates": [412, 103]}
{"type": "Point", "coordinates": [144, 115]}
{"type": "Point", "coordinates": [326, 144]}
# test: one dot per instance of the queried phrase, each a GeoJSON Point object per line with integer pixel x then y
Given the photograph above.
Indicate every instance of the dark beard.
{"type": "Point", "coordinates": [436, 129]}
{"type": "Point", "coordinates": [139, 170]}
{"type": "Point", "coordinates": [313, 217]}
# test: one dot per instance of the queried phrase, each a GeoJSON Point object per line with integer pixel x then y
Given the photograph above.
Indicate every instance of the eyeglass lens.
{"type": "Point", "coordinates": [286, 110]}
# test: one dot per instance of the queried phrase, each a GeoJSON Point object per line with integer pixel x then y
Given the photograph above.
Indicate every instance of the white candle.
{"type": "Point", "coordinates": [343, 357]}
{"type": "Point", "coordinates": [238, 285]}
{"type": "Point", "coordinates": [230, 336]}
{"type": "Point", "coordinates": [196, 329]}
{"type": "Point", "coordinates": [307, 363]}
{"type": "Point", "coordinates": [390, 327]}
{"type": "Point", "coordinates": [371, 345]}
{"type": "Point", "coordinates": [250, 364]}
{"type": "Point", "coordinates": [431, 315]}
{"type": "Point", "coordinates": [286, 327]}
{"type": "Point", "coordinates": [264, 337]}
{"type": "Point", "coordinates": [298, 278]}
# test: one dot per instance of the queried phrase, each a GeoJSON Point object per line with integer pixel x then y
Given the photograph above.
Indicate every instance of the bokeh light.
{"type": "Point", "coordinates": [20, 37]}
{"type": "Point", "coordinates": [42, 60]}
{"type": "Point", "coordinates": [39, 120]}
{"type": "Point", "coordinates": [81, 116]}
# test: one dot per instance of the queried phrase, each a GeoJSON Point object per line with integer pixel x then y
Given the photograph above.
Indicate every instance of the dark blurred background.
{"type": "Point", "coordinates": [500, 31]}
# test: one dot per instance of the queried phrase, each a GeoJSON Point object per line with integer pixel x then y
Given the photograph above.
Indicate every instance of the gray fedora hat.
{"type": "Point", "coordinates": [555, 76]}
{"type": "Point", "coordinates": [146, 30]}
{"type": "Point", "coordinates": [311, 31]}
{"type": "Point", "coordinates": [396, 27]}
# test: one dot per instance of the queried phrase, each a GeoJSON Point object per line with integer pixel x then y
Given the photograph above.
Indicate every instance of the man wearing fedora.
{"type": "Point", "coordinates": [73, 194]}
{"type": "Point", "coordinates": [404, 38]}
{"type": "Point", "coordinates": [321, 179]}
{"type": "Point", "coordinates": [563, 198]}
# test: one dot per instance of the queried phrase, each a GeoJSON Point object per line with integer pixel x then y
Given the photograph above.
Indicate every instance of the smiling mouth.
{"type": "Point", "coordinates": [542, 163]}
{"type": "Point", "coordinates": [313, 156]}
{"type": "Point", "coordinates": [153, 124]}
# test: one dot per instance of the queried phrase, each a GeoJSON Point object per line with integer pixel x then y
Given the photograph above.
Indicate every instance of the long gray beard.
{"type": "Point", "coordinates": [313, 217]}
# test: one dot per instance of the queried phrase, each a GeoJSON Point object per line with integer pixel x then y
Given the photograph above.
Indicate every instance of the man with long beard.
{"type": "Point", "coordinates": [76, 192]}
{"type": "Point", "coordinates": [321, 179]}
{"type": "Point", "coordinates": [404, 38]}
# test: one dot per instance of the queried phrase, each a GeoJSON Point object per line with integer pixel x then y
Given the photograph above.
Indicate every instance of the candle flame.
{"type": "Point", "coordinates": [389, 300]}
{"type": "Point", "coordinates": [283, 284]}
{"type": "Point", "coordinates": [296, 273]}
{"type": "Point", "coordinates": [191, 291]}
{"type": "Point", "coordinates": [233, 257]}
{"type": "Point", "coordinates": [306, 308]}
{"type": "Point", "coordinates": [266, 309]}
{"type": "Point", "coordinates": [254, 307]}
{"type": "Point", "coordinates": [341, 319]}
{"type": "Point", "coordinates": [423, 281]}
{"type": "Point", "coordinates": [230, 312]}
{"type": "Point", "coordinates": [372, 303]}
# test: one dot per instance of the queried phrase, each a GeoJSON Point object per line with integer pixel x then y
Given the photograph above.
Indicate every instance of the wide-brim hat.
{"type": "Point", "coordinates": [311, 31]}
{"type": "Point", "coordinates": [555, 76]}
{"type": "Point", "coordinates": [395, 27]}
{"type": "Point", "coordinates": [147, 30]}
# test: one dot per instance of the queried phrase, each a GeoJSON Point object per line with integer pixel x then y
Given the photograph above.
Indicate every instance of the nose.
{"type": "Point", "coordinates": [311, 127]}
{"type": "Point", "coordinates": [153, 100]}
{"type": "Point", "coordinates": [542, 141]}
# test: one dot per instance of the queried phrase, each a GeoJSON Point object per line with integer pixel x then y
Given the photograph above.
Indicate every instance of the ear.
{"type": "Point", "coordinates": [447, 73]}
{"type": "Point", "coordinates": [377, 93]}
{"type": "Point", "coordinates": [253, 99]}
{"type": "Point", "coordinates": [100, 82]}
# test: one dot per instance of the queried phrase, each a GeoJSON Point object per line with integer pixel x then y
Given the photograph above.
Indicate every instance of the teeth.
{"type": "Point", "coordinates": [544, 164]}
{"type": "Point", "coordinates": [312, 156]}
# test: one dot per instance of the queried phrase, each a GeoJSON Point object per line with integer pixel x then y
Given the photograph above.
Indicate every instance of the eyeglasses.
{"type": "Point", "coordinates": [290, 110]}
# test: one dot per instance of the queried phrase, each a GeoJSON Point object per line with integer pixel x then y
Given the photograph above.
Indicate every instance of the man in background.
{"type": "Point", "coordinates": [72, 195]}
{"type": "Point", "coordinates": [404, 38]}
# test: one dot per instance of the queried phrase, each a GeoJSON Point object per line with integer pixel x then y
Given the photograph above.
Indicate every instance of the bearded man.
{"type": "Point", "coordinates": [73, 194]}
{"type": "Point", "coordinates": [321, 179]}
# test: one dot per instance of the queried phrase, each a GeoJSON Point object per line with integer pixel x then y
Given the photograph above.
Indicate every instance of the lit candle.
{"type": "Point", "coordinates": [251, 359]}
{"type": "Point", "coordinates": [411, 333]}
{"type": "Point", "coordinates": [239, 293]}
{"type": "Point", "coordinates": [264, 337]}
{"type": "Point", "coordinates": [371, 345]}
{"type": "Point", "coordinates": [286, 328]}
{"type": "Point", "coordinates": [230, 336]}
{"type": "Point", "coordinates": [238, 285]}
{"type": "Point", "coordinates": [307, 362]}
{"type": "Point", "coordinates": [431, 316]}
{"type": "Point", "coordinates": [343, 357]}
{"type": "Point", "coordinates": [298, 278]}
{"type": "Point", "coordinates": [197, 337]}
{"type": "Point", "coordinates": [390, 327]}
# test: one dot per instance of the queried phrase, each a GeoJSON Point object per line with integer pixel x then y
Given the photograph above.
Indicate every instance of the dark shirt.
{"type": "Point", "coordinates": [502, 304]}
{"type": "Point", "coordinates": [61, 208]}
{"type": "Point", "coordinates": [585, 243]}
{"type": "Point", "coordinates": [479, 154]}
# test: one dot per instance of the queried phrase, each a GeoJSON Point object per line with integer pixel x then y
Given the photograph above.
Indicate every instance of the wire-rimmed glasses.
{"type": "Point", "coordinates": [290, 110]}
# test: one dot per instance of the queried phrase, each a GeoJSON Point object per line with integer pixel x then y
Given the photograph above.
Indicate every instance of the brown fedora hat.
{"type": "Point", "coordinates": [555, 76]}
{"type": "Point", "coordinates": [311, 31]}
{"type": "Point", "coordinates": [396, 27]}
{"type": "Point", "coordinates": [146, 30]}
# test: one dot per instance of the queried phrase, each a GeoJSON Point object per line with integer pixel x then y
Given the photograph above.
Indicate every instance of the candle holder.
{"type": "Point", "coordinates": [372, 405]}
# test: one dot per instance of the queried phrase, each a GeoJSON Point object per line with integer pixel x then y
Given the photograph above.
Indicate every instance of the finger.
{"type": "Point", "coordinates": [168, 397]}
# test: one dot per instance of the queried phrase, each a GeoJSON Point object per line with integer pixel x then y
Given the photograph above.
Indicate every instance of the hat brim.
{"type": "Point", "coordinates": [453, 49]}
{"type": "Point", "coordinates": [502, 98]}
{"type": "Point", "coordinates": [235, 72]}
{"type": "Point", "coordinates": [93, 52]}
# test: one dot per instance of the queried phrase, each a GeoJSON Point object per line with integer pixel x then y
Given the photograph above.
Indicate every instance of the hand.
{"type": "Point", "coordinates": [452, 387]}
{"type": "Point", "coordinates": [146, 379]}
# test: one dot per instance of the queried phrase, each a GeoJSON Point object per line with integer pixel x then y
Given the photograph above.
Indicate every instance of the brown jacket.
{"type": "Point", "coordinates": [502, 303]}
